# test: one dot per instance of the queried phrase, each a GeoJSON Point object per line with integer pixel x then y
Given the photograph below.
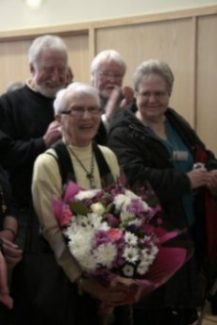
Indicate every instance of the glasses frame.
{"type": "Point", "coordinates": [79, 111]}
{"type": "Point", "coordinates": [157, 94]}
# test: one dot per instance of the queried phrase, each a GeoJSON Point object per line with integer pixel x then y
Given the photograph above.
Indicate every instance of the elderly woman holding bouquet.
{"type": "Point", "coordinates": [156, 144]}
{"type": "Point", "coordinates": [75, 299]}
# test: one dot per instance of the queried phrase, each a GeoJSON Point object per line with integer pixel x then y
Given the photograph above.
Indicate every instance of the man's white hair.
{"type": "Point", "coordinates": [43, 43]}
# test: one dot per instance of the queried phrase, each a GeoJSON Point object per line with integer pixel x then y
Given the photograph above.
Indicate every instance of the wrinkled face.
{"type": "Point", "coordinates": [152, 97]}
{"type": "Point", "coordinates": [49, 73]}
{"type": "Point", "coordinates": [81, 124]}
{"type": "Point", "coordinates": [108, 76]}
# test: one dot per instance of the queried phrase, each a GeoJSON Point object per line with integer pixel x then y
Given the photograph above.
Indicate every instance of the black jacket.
{"type": "Point", "coordinates": [144, 157]}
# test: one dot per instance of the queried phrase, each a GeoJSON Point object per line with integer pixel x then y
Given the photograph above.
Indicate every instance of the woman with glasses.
{"type": "Point", "coordinates": [156, 144]}
{"type": "Point", "coordinates": [77, 109]}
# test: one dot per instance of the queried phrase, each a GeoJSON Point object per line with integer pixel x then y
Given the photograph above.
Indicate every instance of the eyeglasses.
{"type": "Point", "coordinates": [109, 74]}
{"type": "Point", "coordinates": [79, 111]}
{"type": "Point", "coordinates": [156, 94]}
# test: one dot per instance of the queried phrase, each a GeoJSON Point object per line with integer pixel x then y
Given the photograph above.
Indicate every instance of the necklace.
{"type": "Point", "coordinates": [89, 174]}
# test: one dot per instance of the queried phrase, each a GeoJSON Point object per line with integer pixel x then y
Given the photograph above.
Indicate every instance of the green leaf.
{"type": "Point", "coordinates": [79, 208]}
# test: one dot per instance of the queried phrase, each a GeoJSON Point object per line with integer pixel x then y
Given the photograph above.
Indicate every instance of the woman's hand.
{"type": "Point", "coordinates": [198, 177]}
{"type": "Point", "coordinates": [115, 294]}
{"type": "Point", "coordinates": [12, 252]}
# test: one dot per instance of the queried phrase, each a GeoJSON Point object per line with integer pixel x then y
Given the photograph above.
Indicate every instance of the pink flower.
{"type": "Point", "coordinates": [114, 234]}
{"type": "Point", "coordinates": [71, 190]}
{"type": "Point", "coordinates": [62, 213]}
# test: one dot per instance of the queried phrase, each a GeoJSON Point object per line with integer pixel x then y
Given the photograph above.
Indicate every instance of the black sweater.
{"type": "Point", "coordinates": [25, 116]}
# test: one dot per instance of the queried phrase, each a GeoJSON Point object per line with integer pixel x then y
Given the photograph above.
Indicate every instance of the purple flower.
{"type": "Point", "coordinates": [111, 219]}
{"type": "Point", "coordinates": [101, 237]}
{"type": "Point", "coordinates": [136, 206]}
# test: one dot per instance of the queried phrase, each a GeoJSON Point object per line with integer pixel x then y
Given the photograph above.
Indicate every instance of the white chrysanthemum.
{"type": "Point", "coordinates": [146, 207]}
{"type": "Point", "coordinates": [131, 254]}
{"type": "Point", "coordinates": [94, 220]}
{"type": "Point", "coordinates": [87, 194]}
{"type": "Point", "coordinates": [154, 250]}
{"type": "Point", "coordinates": [126, 216]}
{"type": "Point", "coordinates": [135, 222]}
{"type": "Point", "coordinates": [130, 238]}
{"type": "Point", "coordinates": [104, 226]}
{"type": "Point", "coordinates": [119, 201]}
{"type": "Point", "coordinates": [105, 254]}
{"type": "Point", "coordinates": [98, 208]}
{"type": "Point", "coordinates": [88, 263]}
{"type": "Point", "coordinates": [80, 244]}
{"type": "Point", "coordinates": [73, 229]}
{"type": "Point", "coordinates": [128, 270]}
{"type": "Point", "coordinates": [82, 221]}
{"type": "Point", "coordinates": [142, 268]}
{"type": "Point", "coordinates": [148, 255]}
{"type": "Point", "coordinates": [131, 195]}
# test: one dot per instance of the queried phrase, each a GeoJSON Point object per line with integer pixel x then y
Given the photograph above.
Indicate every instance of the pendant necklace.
{"type": "Point", "coordinates": [89, 174]}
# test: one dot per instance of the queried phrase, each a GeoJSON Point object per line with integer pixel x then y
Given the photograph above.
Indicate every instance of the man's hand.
{"type": "Point", "coordinates": [119, 98]}
{"type": "Point", "coordinates": [52, 134]}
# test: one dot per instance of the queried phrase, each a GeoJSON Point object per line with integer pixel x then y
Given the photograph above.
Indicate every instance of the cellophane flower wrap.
{"type": "Point", "coordinates": [114, 232]}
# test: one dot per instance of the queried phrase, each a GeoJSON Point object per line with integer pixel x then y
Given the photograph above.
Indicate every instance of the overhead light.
{"type": "Point", "coordinates": [33, 3]}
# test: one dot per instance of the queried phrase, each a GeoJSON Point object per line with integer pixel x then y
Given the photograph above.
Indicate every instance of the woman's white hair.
{"type": "Point", "coordinates": [64, 96]}
{"type": "Point", "coordinates": [154, 67]}
{"type": "Point", "coordinates": [43, 43]}
{"type": "Point", "coordinates": [105, 57]}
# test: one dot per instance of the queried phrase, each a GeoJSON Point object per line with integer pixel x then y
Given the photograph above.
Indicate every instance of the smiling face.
{"type": "Point", "coordinates": [109, 75]}
{"type": "Point", "coordinates": [81, 125]}
{"type": "Point", "coordinates": [152, 97]}
{"type": "Point", "coordinates": [49, 73]}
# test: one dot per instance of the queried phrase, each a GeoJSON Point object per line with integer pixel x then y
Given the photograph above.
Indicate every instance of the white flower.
{"type": "Point", "coordinates": [94, 220]}
{"type": "Point", "coordinates": [148, 255]}
{"type": "Point", "coordinates": [97, 222]}
{"type": "Point", "coordinates": [82, 221]}
{"type": "Point", "coordinates": [130, 238]}
{"type": "Point", "coordinates": [119, 200]}
{"type": "Point", "coordinates": [142, 268]}
{"type": "Point", "coordinates": [80, 244]}
{"type": "Point", "coordinates": [131, 195]}
{"type": "Point", "coordinates": [135, 222]}
{"type": "Point", "coordinates": [131, 254]}
{"type": "Point", "coordinates": [98, 208]}
{"type": "Point", "coordinates": [89, 194]}
{"type": "Point", "coordinates": [105, 254]}
{"type": "Point", "coordinates": [125, 216]}
{"type": "Point", "coordinates": [88, 263]}
{"type": "Point", "coordinates": [128, 270]}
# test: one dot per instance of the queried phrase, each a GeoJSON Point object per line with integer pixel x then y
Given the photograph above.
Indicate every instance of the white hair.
{"type": "Point", "coordinates": [153, 66]}
{"type": "Point", "coordinates": [43, 43]}
{"type": "Point", "coordinates": [64, 96]}
{"type": "Point", "coordinates": [107, 56]}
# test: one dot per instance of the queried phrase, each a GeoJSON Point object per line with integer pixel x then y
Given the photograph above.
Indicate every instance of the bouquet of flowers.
{"type": "Point", "coordinates": [114, 232]}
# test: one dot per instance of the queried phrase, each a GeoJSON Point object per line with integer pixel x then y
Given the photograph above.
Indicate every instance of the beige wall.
{"type": "Point", "coordinates": [16, 15]}
{"type": "Point", "coordinates": [185, 39]}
